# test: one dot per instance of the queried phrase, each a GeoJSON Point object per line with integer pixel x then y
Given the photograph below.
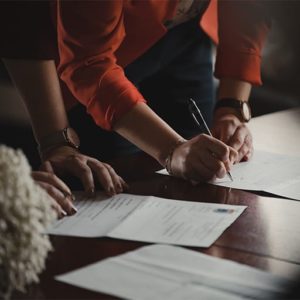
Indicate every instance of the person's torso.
{"type": "Point", "coordinates": [147, 21]}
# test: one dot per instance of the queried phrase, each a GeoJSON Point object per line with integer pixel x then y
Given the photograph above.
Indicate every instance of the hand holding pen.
{"type": "Point", "coordinates": [201, 158]}
{"type": "Point", "coordinates": [200, 122]}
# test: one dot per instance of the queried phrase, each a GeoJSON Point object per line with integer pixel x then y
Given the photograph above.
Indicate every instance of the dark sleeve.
{"type": "Point", "coordinates": [27, 30]}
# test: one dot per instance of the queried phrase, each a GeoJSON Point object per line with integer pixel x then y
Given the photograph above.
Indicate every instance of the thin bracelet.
{"type": "Point", "coordinates": [168, 162]}
{"type": "Point", "coordinates": [43, 153]}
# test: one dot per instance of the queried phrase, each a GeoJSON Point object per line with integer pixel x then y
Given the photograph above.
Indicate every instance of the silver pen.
{"type": "Point", "coordinates": [195, 111]}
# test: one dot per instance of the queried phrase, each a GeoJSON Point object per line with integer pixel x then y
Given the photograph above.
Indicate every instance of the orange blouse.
{"type": "Point", "coordinates": [97, 39]}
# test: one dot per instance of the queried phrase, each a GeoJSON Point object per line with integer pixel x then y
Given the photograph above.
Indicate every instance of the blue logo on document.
{"type": "Point", "coordinates": [224, 210]}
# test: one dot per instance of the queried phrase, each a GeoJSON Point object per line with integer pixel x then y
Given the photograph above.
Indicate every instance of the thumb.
{"type": "Point", "coordinates": [233, 154]}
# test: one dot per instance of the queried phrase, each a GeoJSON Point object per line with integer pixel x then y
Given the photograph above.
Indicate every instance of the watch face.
{"type": "Point", "coordinates": [246, 112]}
{"type": "Point", "coordinates": [72, 137]}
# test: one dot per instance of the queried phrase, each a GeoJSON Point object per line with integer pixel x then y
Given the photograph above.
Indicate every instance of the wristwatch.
{"type": "Point", "coordinates": [242, 108]}
{"type": "Point", "coordinates": [65, 137]}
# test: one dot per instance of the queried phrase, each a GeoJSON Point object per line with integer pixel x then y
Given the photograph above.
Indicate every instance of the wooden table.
{"type": "Point", "coordinates": [266, 236]}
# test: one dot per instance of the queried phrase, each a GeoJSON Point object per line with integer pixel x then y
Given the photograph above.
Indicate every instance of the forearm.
{"type": "Point", "coordinates": [233, 88]}
{"type": "Point", "coordinates": [38, 84]}
{"type": "Point", "coordinates": [145, 129]}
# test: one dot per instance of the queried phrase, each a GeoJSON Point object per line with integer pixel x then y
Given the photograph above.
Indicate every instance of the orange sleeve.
{"type": "Point", "coordinates": [89, 33]}
{"type": "Point", "coordinates": [243, 26]}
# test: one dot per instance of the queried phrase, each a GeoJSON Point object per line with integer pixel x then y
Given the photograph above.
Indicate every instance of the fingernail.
{"type": "Point", "coordinates": [73, 209]}
{"type": "Point", "coordinates": [120, 188]}
{"type": "Point", "coordinates": [64, 213]}
{"type": "Point", "coordinates": [221, 173]}
{"type": "Point", "coordinates": [92, 192]}
{"type": "Point", "coordinates": [66, 194]}
{"type": "Point", "coordinates": [73, 197]}
{"type": "Point", "coordinates": [227, 165]}
{"type": "Point", "coordinates": [112, 191]}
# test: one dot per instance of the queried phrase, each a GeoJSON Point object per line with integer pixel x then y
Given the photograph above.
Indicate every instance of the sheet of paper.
{"type": "Point", "coordinates": [277, 132]}
{"type": "Point", "coordinates": [97, 216]}
{"type": "Point", "coordinates": [170, 272]}
{"type": "Point", "coordinates": [149, 219]}
{"type": "Point", "coordinates": [270, 172]}
{"type": "Point", "coordinates": [289, 189]}
{"type": "Point", "coordinates": [160, 220]}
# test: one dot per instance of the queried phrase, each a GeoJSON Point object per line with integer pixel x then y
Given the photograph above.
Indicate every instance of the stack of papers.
{"type": "Point", "coordinates": [269, 172]}
{"type": "Point", "coordinates": [170, 272]}
{"type": "Point", "coordinates": [148, 219]}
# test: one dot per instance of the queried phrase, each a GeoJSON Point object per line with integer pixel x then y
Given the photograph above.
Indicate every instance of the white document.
{"type": "Point", "coordinates": [149, 219]}
{"type": "Point", "coordinates": [170, 272]}
{"type": "Point", "coordinates": [269, 172]}
{"type": "Point", "coordinates": [277, 132]}
{"type": "Point", "coordinates": [178, 222]}
{"type": "Point", "coordinates": [96, 217]}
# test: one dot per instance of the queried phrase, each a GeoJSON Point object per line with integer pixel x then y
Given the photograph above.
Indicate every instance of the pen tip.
{"type": "Point", "coordinates": [229, 175]}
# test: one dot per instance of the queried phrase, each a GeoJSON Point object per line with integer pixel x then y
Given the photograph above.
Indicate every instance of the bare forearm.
{"type": "Point", "coordinates": [38, 84]}
{"type": "Point", "coordinates": [145, 129]}
{"type": "Point", "coordinates": [232, 88]}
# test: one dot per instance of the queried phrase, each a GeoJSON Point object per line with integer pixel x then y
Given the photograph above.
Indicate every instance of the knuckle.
{"type": "Point", "coordinates": [227, 137]}
{"type": "Point", "coordinates": [51, 190]}
{"type": "Point", "coordinates": [231, 123]}
{"type": "Point", "coordinates": [109, 167]}
{"type": "Point", "coordinates": [51, 176]}
{"type": "Point", "coordinates": [218, 166]}
{"type": "Point", "coordinates": [85, 171]}
{"type": "Point", "coordinates": [202, 137]}
{"type": "Point", "coordinates": [81, 166]}
{"type": "Point", "coordinates": [76, 158]}
{"type": "Point", "coordinates": [238, 140]}
{"type": "Point", "coordinates": [224, 151]}
{"type": "Point", "coordinates": [101, 168]}
{"type": "Point", "coordinates": [229, 126]}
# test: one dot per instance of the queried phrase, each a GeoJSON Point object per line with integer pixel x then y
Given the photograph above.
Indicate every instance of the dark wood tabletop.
{"type": "Point", "coordinates": [266, 235]}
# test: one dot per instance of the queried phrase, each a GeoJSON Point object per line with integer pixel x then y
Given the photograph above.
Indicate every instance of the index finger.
{"type": "Point", "coordinates": [52, 179]}
{"type": "Point", "coordinates": [47, 167]}
{"type": "Point", "coordinates": [80, 169]}
{"type": "Point", "coordinates": [218, 148]}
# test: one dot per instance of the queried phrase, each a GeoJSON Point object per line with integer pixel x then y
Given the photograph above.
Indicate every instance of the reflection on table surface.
{"type": "Point", "coordinates": [265, 236]}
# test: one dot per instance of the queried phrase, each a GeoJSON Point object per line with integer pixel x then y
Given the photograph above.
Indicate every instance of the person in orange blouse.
{"type": "Point", "coordinates": [28, 49]}
{"type": "Point", "coordinates": [134, 64]}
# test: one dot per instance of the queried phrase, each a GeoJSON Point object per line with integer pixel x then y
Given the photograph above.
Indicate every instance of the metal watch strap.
{"type": "Point", "coordinates": [58, 138]}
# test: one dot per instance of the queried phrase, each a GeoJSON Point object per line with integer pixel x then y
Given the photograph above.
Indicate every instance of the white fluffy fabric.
{"type": "Point", "coordinates": [25, 213]}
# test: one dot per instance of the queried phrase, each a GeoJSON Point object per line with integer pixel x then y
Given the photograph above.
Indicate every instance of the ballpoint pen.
{"type": "Point", "coordinates": [195, 111]}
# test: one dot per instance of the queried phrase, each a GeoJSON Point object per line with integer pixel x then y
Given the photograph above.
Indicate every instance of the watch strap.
{"type": "Point", "coordinates": [56, 139]}
{"type": "Point", "coordinates": [235, 104]}
{"type": "Point", "coordinates": [228, 102]}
